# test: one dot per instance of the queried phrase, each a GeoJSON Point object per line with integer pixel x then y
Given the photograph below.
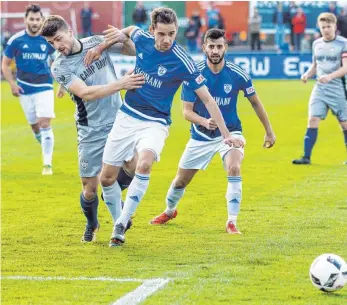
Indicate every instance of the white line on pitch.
{"type": "Point", "coordinates": [142, 292]}
{"type": "Point", "coordinates": [61, 278]}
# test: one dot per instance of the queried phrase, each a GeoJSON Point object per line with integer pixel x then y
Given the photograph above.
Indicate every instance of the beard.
{"type": "Point", "coordinates": [215, 60]}
{"type": "Point", "coordinates": [33, 29]}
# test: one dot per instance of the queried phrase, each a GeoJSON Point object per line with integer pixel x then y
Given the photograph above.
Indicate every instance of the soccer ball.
{"type": "Point", "coordinates": [328, 272]}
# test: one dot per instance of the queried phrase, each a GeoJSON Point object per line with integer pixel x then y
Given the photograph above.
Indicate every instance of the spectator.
{"type": "Point", "coordinates": [221, 24]}
{"type": "Point", "coordinates": [197, 19]}
{"type": "Point", "coordinates": [292, 13]}
{"type": "Point", "coordinates": [140, 15]}
{"type": "Point", "coordinates": [285, 46]}
{"type": "Point", "coordinates": [342, 23]}
{"type": "Point", "coordinates": [254, 29]}
{"type": "Point", "coordinates": [86, 18]}
{"type": "Point", "coordinates": [332, 8]}
{"type": "Point", "coordinates": [306, 44]}
{"type": "Point", "coordinates": [299, 26]}
{"type": "Point", "coordinates": [191, 34]}
{"type": "Point", "coordinates": [213, 16]}
{"type": "Point", "coordinates": [280, 18]}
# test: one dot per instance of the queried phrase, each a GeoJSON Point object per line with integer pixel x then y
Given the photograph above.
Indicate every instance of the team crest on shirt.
{"type": "Point", "coordinates": [43, 47]}
{"type": "Point", "coordinates": [227, 88]}
{"type": "Point", "coordinates": [161, 70]}
{"type": "Point", "coordinates": [84, 163]}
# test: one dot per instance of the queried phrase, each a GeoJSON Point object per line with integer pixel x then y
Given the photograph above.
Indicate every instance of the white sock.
{"type": "Point", "coordinates": [136, 191]}
{"type": "Point", "coordinates": [112, 196]}
{"type": "Point", "coordinates": [234, 196]}
{"type": "Point", "coordinates": [172, 198]}
{"type": "Point", "coordinates": [47, 143]}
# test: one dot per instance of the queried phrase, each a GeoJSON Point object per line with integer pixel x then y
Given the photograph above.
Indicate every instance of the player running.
{"type": "Point", "coordinates": [142, 124]}
{"type": "Point", "coordinates": [330, 91]}
{"type": "Point", "coordinates": [95, 90]}
{"type": "Point", "coordinates": [34, 83]}
{"type": "Point", "coordinates": [224, 81]}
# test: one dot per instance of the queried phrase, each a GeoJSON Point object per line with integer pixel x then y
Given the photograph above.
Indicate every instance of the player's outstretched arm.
{"type": "Point", "coordinates": [90, 93]}
{"type": "Point", "coordinates": [270, 138]}
{"type": "Point", "coordinates": [6, 70]}
{"type": "Point", "coordinates": [193, 117]}
{"type": "Point", "coordinates": [310, 72]}
{"type": "Point", "coordinates": [216, 115]}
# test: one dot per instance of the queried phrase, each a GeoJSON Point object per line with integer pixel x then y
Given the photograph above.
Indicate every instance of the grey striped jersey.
{"type": "Point", "coordinates": [328, 56]}
{"type": "Point", "coordinates": [66, 69]}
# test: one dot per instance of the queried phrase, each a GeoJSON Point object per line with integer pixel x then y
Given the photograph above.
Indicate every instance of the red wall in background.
{"type": "Point", "coordinates": [109, 12]}
{"type": "Point", "coordinates": [235, 13]}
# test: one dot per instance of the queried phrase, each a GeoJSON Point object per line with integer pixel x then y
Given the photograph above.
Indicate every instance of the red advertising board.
{"type": "Point", "coordinates": [107, 12]}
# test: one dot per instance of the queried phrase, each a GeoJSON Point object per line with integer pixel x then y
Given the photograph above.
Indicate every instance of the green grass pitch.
{"type": "Point", "coordinates": [289, 215]}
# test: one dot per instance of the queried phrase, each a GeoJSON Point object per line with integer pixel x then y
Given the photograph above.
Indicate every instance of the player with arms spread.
{"type": "Point", "coordinates": [142, 124]}
{"type": "Point", "coordinates": [330, 91]}
{"type": "Point", "coordinates": [224, 81]}
{"type": "Point", "coordinates": [34, 83]}
{"type": "Point", "coordinates": [95, 90]}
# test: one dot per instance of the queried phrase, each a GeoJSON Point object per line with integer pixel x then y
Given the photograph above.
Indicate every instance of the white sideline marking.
{"type": "Point", "coordinates": [134, 297]}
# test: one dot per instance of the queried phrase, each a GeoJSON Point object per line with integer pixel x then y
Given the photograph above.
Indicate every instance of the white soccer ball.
{"type": "Point", "coordinates": [328, 272]}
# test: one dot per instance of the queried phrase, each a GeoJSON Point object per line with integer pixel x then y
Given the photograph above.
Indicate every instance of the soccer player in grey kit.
{"type": "Point", "coordinates": [95, 90]}
{"type": "Point", "coordinates": [330, 91]}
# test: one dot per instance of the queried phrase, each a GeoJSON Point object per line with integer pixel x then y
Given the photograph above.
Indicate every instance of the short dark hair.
{"type": "Point", "coordinates": [52, 25]}
{"type": "Point", "coordinates": [214, 34]}
{"type": "Point", "coordinates": [163, 15]}
{"type": "Point", "coordinates": [35, 8]}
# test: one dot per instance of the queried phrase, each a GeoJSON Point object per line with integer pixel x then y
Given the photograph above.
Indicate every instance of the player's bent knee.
{"type": "Point", "coordinates": [234, 170]}
{"type": "Point", "coordinates": [180, 183]}
{"type": "Point", "coordinates": [313, 122]}
{"type": "Point", "coordinates": [107, 180]}
{"type": "Point", "coordinates": [89, 194]}
{"type": "Point", "coordinates": [144, 166]}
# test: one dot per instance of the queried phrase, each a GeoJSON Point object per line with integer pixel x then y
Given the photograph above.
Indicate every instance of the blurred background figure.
{"type": "Point", "coordinates": [254, 29]}
{"type": "Point", "coordinates": [299, 26]}
{"type": "Point", "coordinates": [292, 12]}
{"type": "Point", "coordinates": [285, 46]}
{"type": "Point", "coordinates": [191, 34]}
{"type": "Point", "coordinates": [280, 18]}
{"type": "Point", "coordinates": [140, 15]}
{"type": "Point", "coordinates": [342, 23]}
{"type": "Point", "coordinates": [213, 16]}
{"type": "Point", "coordinates": [332, 8]}
{"type": "Point", "coordinates": [306, 44]}
{"type": "Point", "coordinates": [87, 17]}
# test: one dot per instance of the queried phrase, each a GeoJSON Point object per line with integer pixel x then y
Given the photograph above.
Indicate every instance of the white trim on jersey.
{"type": "Point", "coordinates": [189, 65]}
{"type": "Point", "coordinates": [15, 36]}
{"type": "Point", "coordinates": [201, 65]}
{"type": "Point", "coordinates": [238, 70]}
{"type": "Point", "coordinates": [144, 115]}
{"type": "Point", "coordinates": [34, 85]}
{"type": "Point", "coordinates": [203, 135]}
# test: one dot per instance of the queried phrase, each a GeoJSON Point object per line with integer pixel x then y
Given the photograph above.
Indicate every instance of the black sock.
{"type": "Point", "coordinates": [90, 210]}
{"type": "Point", "coordinates": [124, 179]}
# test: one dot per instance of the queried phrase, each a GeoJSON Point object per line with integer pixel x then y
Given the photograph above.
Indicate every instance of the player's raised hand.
{"type": "Point", "coordinates": [234, 141]}
{"type": "Point", "coordinates": [61, 91]}
{"type": "Point", "coordinates": [210, 124]}
{"type": "Point", "coordinates": [132, 81]}
{"type": "Point", "coordinates": [324, 79]}
{"type": "Point", "coordinates": [16, 90]}
{"type": "Point", "coordinates": [114, 35]}
{"type": "Point", "coordinates": [92, 55]}
{"type": "Point", "coordinates": [304, 78]}
{"type": "Point", "coordinates": [269, 140]}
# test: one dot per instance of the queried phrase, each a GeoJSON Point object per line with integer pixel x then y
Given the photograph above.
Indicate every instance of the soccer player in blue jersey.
{"type": "Point", "coordinates": [34, 83]}
{"type": "Point", "coordinates": [142, 124]}
{"type": "Point", "coordinates": [224, 81]}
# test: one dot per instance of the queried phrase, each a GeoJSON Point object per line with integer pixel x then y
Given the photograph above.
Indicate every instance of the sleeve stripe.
{"type": "Point", "coordinates": [184, 55]}
{"type": "Point", "coordinates": [236, 67]}
{"type": "Point", "coordinates": [143, 33]}
{"type": "Point", "coordinates": [232, 69]}
{"type": "Point", "coordinates": [19, 34]}
{"type": "Point", "coordinates": [189, 65]}
{"type": "Point", "coordinates": [238, 71]}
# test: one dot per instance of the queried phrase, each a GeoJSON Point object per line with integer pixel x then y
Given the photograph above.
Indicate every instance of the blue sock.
{"type": "Point", "coordinates": [124, 179]}
{"type": "Point", "coordinates": [309, 141]}
{"type": "Point", "coordinates": [90, 210]}
{"type": "Point", "coordinates": [345, 135]}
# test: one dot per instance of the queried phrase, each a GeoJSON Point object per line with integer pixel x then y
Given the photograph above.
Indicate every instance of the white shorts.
{"type": "Point", "coordinates": [38, 105]}
{"type": "Point", "coordinates": [198, 154]}
{"type": "Point", "coordinates": [130, 135]}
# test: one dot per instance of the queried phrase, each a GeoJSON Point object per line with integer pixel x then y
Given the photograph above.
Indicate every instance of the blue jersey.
{"type": "Point", "coordinates": [31, 56]}
{"type": "Point", "coordinates": [164, 72]}
{"type": "Point", "coordinates": [224, 87]}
